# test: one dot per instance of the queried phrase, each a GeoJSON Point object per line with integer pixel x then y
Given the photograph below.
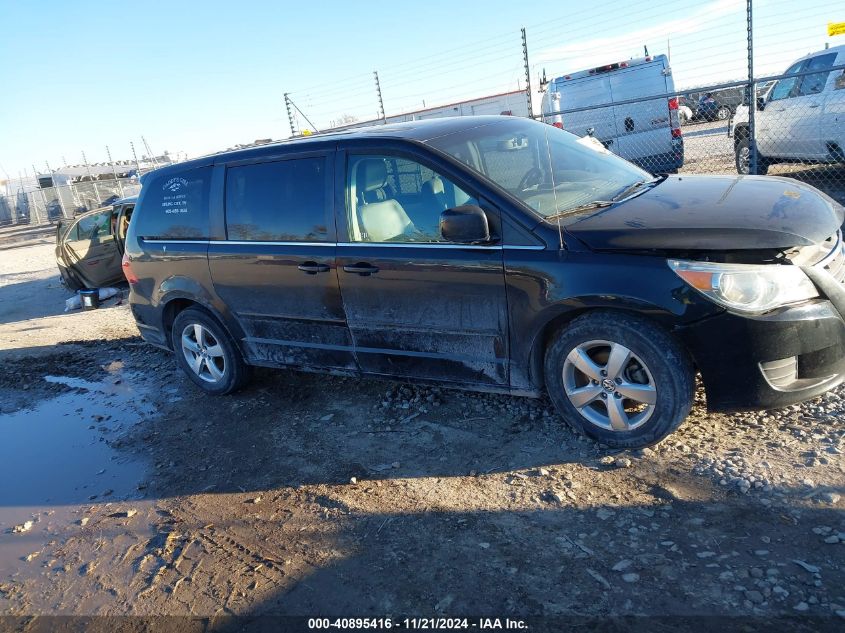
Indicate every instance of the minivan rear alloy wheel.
{"type": "Point", "coordinates": [619, 379]}
{"type": "Point", "coordinates": [206, 353]}
{"type": "Point", "coordinates": [203, 353]}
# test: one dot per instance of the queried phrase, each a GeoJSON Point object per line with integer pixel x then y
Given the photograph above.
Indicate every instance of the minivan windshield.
{"type": "Point", "coordinates": [552, 171]}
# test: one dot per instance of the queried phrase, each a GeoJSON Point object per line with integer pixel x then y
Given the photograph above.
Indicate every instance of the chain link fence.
{"type": "Point", "coordinates": [794, 127]}
{"type": "Point", "coordinates": [49, 205]}
{"type": "Point", "coordinates": [728, 87]}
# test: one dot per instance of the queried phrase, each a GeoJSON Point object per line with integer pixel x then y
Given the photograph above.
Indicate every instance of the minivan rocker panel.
{"type": "Point", "coordinates": [497, 254]}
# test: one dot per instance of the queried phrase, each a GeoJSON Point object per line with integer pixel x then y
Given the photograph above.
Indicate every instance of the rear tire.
{"type": "Point", "coordinates": [207, 354]}
{"type": "Point", "coordinates": [742, 155]}
{"type": "Point", "coordinates": [70, 280]}
{"type": "Point", "coordinates": [619, 379]}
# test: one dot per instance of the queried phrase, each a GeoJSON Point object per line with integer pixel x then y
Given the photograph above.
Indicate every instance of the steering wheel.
{"type": "Point", "coordinates": [531, 178]}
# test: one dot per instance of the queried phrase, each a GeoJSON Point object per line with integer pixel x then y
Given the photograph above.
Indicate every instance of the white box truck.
{"type": "Point", "coordinates": [595, 102]}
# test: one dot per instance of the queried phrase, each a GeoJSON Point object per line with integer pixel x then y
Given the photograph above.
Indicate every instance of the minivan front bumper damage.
{"type": "Point", "coordinates": [772, 360]}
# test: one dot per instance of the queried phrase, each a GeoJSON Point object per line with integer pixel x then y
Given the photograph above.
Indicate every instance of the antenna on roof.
{"type": "Point", "coordinates": [645, 48]}
{"type": "Point", "coordinates": [543, 81]}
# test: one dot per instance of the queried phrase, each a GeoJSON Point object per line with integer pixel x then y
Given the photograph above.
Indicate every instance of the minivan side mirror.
{"type": "Point", "coordinates": [761, 103]}
{"type": "Point", "coordinates": [466, 224]}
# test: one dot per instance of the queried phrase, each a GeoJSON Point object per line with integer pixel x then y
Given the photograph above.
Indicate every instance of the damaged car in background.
{"type": "Point", "coordinates": [89, 246]}
{"type": "Point", "coordinates": [497, 254]}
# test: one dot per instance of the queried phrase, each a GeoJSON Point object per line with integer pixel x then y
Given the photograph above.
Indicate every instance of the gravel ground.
{"type": "Point", "coordinates": [315, 495]}
{"type": "Point", "coordinates": [32, 300]}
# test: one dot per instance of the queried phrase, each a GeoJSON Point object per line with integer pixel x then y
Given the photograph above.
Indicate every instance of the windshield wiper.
{"type": "Point", "coordinates": [595, 204]}
{"type": "Point", "coordinates": [632, 189]}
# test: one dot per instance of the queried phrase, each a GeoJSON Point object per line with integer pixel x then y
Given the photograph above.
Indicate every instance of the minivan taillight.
{"type": "Point", "coordinates": [673, 104]}
{"type": "Point", "coordinates": [676, 132]}
{"type": "Point", "coordinates": [558, 125]}
{"type": "Point", "coordinates": [127, 270]}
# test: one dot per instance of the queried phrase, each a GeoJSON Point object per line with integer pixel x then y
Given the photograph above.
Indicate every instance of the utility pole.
{"type": "Point", "coordinates": [380, 100]}
{"type": "Point", "coordinates": [113, 172]}
{"type": "Point", "coordinates": [527, 74]}
{"type": "Point", "coordinates": [288, 104]}
{"type": "Point", "coordinates": [751, 94]}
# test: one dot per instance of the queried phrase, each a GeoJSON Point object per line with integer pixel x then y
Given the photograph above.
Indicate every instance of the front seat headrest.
{"type": "Point", "coordinates": [433, 185]}
{"type": "Point", "coordinates": [372, 174]}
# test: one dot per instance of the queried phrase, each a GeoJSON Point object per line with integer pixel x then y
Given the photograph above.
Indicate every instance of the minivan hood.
{"type": "Point", "coordinates": [714, 213]}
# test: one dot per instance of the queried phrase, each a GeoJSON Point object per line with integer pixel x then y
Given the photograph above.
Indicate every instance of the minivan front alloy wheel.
{"type": "Point", "coordinates": [609, 385]}
{"type": "Point", "coordinates": [619, 379]}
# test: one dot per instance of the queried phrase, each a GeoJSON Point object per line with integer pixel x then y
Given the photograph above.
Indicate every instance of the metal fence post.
{"type": "Point", "coordinates": [380, 100]}
{"type": "Point", "coordinates": [114, 173]}
{"type": "Point", "coordinates": [43, 195]}
{"type": "Point", "coordinates": [290, 115]}
{"type": "Point", "coordinates": [135, 156]}
{"type": "Point", "coordinates": [58, 191]}
{"type": "Point", "coordinates": [752, 94]}
{"type": "Point", "coordinates": [93, 181]}
{"type": "Point", "coordinates": [528, 74]}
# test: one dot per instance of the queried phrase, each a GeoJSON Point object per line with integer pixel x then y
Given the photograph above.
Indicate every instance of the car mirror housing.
{"type": "Point", "coordinates": [761, 103]}
{"type": "Point", "coordinates": [466, 224]}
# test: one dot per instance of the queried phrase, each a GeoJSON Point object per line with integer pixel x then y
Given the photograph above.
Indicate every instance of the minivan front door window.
{"type": "Point", "coordinates": [394, 199]}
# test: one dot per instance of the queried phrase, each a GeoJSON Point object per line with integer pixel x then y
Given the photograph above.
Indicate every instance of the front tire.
{"type": "Point", "coordinates": [207, 354]}
{"type": "Point", "coordinates": [742, 155]}
{"type": "Point", "coordinates": [723, 113]}
{"type": "Point", "coordinates": [619, 379]}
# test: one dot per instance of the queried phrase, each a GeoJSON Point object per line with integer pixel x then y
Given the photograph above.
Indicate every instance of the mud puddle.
{"type": "Point", "coordinates": [57, 454]}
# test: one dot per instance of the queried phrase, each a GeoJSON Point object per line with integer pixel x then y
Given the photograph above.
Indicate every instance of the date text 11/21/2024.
{"type": "Point", "coordinates": [431, 624]}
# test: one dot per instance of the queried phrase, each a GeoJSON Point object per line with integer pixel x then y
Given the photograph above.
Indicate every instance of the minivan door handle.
{"type": "Point", "coordinates": [312, 268]}
{"type": "Point", "coordinates": [362, 269]}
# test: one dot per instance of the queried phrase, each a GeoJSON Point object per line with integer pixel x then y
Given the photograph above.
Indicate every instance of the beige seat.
{"type": "Point", "coordinates": [381, 218]}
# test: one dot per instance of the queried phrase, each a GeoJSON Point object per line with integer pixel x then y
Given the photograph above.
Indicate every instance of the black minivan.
{"type": "Point", "coordinates": [497, 254]}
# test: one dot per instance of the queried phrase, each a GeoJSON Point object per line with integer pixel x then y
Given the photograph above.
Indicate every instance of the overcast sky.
{"type": "Point", "coordinates": [202, 76]}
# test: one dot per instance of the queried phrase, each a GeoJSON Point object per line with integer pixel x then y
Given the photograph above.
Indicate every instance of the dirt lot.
{"type": "Point", "coordinates": [125, 491]}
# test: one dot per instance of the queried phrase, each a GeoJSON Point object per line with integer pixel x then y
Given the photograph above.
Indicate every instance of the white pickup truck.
{"type": "Point", "coordinates": [800, 119]}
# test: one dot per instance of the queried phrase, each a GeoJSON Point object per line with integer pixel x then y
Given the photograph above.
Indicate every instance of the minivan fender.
{"type": "Point", "coordinates": [556, 316]}
{"type": "Point", "coordinates": [176, 293]}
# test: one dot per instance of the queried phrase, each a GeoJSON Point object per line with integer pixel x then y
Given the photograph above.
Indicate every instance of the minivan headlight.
{"type": "Point", "coordinates": [750, 289]}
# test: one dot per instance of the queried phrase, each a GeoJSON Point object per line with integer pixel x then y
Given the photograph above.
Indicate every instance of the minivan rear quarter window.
{"type": "Point", "coordinates": [175, 205]}
{"type": "Point", "coordinates": [281, 201]}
